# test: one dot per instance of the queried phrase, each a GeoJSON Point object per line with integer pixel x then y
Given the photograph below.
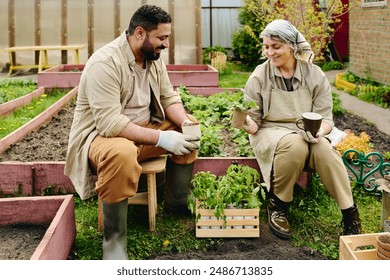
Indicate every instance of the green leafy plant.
{"type": "Point", "coordinates": [332, 65]}
{"type": "Point", "coordinates": [240, 186]}
{"type": "Point", "coordinates": [245, 105]}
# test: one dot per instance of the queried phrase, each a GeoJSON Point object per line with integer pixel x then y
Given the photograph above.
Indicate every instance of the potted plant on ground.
{"type": "Point", "coordinates": [236, 194]}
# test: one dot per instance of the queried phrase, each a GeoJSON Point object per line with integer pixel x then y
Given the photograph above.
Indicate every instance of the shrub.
{"type": "Point", "coordinates": [351, 141]}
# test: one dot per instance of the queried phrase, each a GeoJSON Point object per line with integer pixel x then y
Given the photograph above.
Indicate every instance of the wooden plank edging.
{"type": "Point", "coordinates": [9, 106]}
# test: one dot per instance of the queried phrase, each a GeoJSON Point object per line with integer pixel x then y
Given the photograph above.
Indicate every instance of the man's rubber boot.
{"type": "Point", "coordinates": [177, 189]}
{"type": "Point", "coordinates": [115, 231]}
{"type": "Point", "coordinates": [277, 217]}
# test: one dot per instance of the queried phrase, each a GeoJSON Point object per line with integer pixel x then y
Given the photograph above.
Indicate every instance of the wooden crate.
{"type": "Point", "coordinates": [352, 247]}
{"type": "Point", "coordinates": [238, 223]}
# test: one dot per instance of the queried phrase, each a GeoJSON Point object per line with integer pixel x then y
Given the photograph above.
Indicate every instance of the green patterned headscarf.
{"type": "Point", "coordinates": [286, 32]}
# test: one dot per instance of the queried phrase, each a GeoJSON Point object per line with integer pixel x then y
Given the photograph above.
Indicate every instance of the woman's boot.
{"type": "Point", "coordinates": [351, 221]}
{"type": "Point", "coordinates": [277, 217]}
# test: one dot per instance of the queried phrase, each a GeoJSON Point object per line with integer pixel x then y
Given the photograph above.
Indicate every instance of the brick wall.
{"type": "Point", "coordinates": [369, 45]}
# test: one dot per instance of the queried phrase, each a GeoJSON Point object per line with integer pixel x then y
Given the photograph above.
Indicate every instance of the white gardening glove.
{"type": "Point", "coordinates": [176, 142]}
{"type": "Point", "coordinates": [309, 138]}
{"type": "Point", "coordinates": [250, 126]}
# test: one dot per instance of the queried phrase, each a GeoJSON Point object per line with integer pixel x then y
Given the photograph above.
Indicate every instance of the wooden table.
{"type": "Point", "coordinates": [43, 61]}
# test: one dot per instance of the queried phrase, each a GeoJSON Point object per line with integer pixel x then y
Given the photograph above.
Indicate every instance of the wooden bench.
{"type": "Point", "coordinates": [150, 168]}
{"type": "Point", "coordinates": [43, 61]}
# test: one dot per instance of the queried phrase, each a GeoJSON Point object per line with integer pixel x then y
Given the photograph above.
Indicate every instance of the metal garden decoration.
{"type": "Point", "coordinates": [367, 167]}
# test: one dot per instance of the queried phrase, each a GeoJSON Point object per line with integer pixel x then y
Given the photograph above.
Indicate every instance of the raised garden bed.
{"type": "Point", "coordinates": [195, 75]}
{"type": "Point", "coordinates": [61, 76]}
{"type": "Point", "coordinates": [35, 123]}
{"type": "Point", "coordinates": [55, 211]}
{"type": "Point", "coordinates": [9, 106]}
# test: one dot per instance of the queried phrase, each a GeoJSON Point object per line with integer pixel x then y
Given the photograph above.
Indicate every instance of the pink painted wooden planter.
{"type": "Point", "coordinates": [208, 91]}
{"type": "Point", "coordinates": [55, 211]}
{"type": "Point", "coordinates": [36, 122]}
{"type": "Point", "coordinates": [193, 75]}
{"type": "Point", "coordinates": [61, 76]}
{"type": "Point", "coordinates": [8, 107]}
{"type": "Point", "coordinates": [33, 178]}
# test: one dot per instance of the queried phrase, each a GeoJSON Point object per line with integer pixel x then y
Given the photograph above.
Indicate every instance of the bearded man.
{"type": "Point", "coordinates": [127, 112]}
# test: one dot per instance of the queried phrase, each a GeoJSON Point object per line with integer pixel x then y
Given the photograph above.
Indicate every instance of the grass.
{"type": "Point", "coordinates": [234, 76]}
{"type": "Point", "coordinates": [14, 88]}
{"type": "Point", "coordinates": [314, 216]}
{"type": "Point", "coordinates": [21, 116]}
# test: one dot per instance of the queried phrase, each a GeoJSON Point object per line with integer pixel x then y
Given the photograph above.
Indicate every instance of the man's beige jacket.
{"type": "Point", "coordinates": [106, 85]}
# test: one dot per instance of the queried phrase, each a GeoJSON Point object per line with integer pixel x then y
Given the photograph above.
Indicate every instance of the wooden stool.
{"type": "Point", "coordinates": [150, 167]}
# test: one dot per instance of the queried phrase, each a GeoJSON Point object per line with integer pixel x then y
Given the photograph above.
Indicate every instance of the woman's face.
{"type": "Point", "coordinates": [279, 53]}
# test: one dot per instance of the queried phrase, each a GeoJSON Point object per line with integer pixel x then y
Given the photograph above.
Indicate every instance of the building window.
{"type": "Point", "coordinates": [374, 3]}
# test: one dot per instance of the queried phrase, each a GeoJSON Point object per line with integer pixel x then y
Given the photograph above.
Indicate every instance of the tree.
{"type": "Point", "coordinates": [314, 20]}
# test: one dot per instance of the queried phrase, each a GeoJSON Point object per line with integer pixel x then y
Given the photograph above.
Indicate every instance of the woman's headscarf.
{"type": "Point", "coordinates": [286, 31]}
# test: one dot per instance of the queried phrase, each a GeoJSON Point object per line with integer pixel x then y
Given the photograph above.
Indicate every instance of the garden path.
{"type": "Point", "coordinates": [372, 113]}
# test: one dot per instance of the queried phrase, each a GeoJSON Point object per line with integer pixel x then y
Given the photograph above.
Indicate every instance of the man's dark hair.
{"type": "Point", "coordinates": [148, 17]}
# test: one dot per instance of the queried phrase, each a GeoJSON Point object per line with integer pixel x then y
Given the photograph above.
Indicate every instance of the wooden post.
{"type": "Point", "coordinates": [90, 28]}
{"type": "Point", "coordinates": [11, 26]}
{"type": "Point", "coordinates": [198, 31]}
{"type": "Point", "coordinates": [117, 18]}
{"type": "Point", "coordinates": [37, 27]}
{"type": "Point", "coordinates": [64, 30]}
{"type": "Point", "coordinates": [171, 49]}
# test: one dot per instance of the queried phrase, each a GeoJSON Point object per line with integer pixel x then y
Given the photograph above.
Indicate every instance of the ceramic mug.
{"type": "Point", "coordinates": [310, 122]}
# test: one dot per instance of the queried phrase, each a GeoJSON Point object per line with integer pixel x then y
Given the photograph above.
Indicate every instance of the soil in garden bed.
{"type": "Point", "coordinates": [49, 143]}
{"type": "Point", "coordinates": [19, 241]}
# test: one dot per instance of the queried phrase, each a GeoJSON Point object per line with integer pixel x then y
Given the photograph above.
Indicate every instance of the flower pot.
{"type": "Point", "coordinates": [383, 247]}
{"type": "Point", "coordinates": [238, 118]}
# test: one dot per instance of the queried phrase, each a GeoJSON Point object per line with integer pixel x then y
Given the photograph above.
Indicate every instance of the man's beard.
{"type": "Point", "coordinates": [149, 51]}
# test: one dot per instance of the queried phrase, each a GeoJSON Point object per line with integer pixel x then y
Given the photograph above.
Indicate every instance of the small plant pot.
{"type": "Point", "coordinates": [238, 218]}
{"type": "Point", "coordinates": [383, 254]}
{"type": "Point", "coordinates": [214, 227]}
{"type": "Point", "coordinates": [384, 241]}
{"type": "Point", "coordinates": [205, 218]}
{"type": "Point", "coordinates": [249, 217]}
{"type": "Point", "coordinates": [230, 206]}
{"type": "Point", "coordinates": [238, 118]}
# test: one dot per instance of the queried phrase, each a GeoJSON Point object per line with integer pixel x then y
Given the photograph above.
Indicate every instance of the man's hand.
{"type": "Point", "coordinates": [176, 142]}
{"type": "Point", "coordinates": [309, 137]}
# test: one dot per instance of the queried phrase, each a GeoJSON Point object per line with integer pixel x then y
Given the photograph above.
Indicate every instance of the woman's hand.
{"type": "Point", "coordinates": [309, 137]}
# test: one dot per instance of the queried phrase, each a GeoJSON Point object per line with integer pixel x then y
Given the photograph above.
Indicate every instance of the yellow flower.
{"type": "Point", "coordinates": [166, 243]}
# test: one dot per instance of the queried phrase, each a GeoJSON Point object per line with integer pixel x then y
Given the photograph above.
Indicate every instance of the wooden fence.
{"type": "Point", "coordinates": [93, 23]}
